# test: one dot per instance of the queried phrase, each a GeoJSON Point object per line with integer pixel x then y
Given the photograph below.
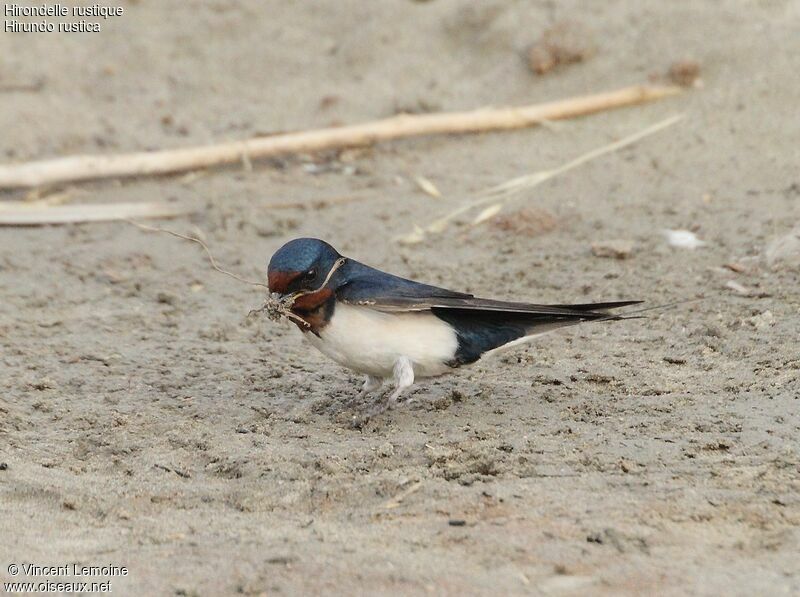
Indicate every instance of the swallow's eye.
{"type": "Point", "coordinates": [311, 274]}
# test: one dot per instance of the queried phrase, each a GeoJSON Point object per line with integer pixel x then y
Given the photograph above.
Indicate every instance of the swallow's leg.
{"type": "Point", "coordinates": [403, 378]}
{"type": "Point", "coordinates": [370, 385]}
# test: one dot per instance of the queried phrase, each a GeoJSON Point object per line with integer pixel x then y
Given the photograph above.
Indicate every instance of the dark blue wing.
{"type": "Point", "coordinates": [386, 292]}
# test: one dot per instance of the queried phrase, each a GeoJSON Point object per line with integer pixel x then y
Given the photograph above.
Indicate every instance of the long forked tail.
{"type": "Point", "coordinates": [637, 313]}
{"type": "Point", "coordinates": [598, 306]}
{"type": "Point", "coordinates": [482, 331]}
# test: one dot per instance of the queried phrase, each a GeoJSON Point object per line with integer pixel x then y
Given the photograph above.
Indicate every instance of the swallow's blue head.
{"type": "Point", "coordinates": [300, 264]}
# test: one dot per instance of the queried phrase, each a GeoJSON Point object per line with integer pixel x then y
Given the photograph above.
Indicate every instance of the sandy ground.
{"type": "Point", "coordinates": [146, 422]}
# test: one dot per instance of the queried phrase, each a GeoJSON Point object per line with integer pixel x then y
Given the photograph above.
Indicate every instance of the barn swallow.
{"type": "Point", "coordinates": [385, 326]}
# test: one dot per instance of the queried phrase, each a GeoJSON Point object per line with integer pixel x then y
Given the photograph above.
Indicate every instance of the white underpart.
{"type": "Point", "coordinates": [372, 342]}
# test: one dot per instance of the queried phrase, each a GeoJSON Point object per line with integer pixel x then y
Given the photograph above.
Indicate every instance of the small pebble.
{"type": "Point", "coordinates": [166, 298]}
{"type": "Point", "coordinates": [683, 239]}
{"type": "Point", "coordinates": [564, 43]}
{"type": "Point", "coordinates": [386, 450]}
{"type": "Point", "coordinates": [675, 360]}
{"type": "Point", "coordinates": [614, 249]}
{"type": "Point", "coordinates": [762, 321]}
{"type": "Point", "coordinates": [685, 73]}
{"type": "Point", "coordinates": [738, 288]}
{"type": "Point", "coordinates": [457, 522]}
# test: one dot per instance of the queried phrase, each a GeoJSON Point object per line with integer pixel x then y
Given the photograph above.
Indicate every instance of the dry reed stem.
{"type": "Point", "coordinates": [397, 500]}
{"type": "Point", "coordinates": [89, 167]}
{"type": "Point", "coordinates": [39, 213]}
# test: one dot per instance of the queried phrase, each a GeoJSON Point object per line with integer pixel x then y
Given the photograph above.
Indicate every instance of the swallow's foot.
{"type": "Point", "coordinates": [370, 385]}
{"type": "Point", "coordinates": [403, 379]}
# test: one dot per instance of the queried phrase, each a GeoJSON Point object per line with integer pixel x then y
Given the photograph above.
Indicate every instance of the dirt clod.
{"type": "Point", "coordinates": [566, 42]}
{"type": "Point", "coordinates": [684, 73]}
{"type": "Point", "coordinates": [528, 221]}
{"type": "Point", "coordinates": [613, 249]}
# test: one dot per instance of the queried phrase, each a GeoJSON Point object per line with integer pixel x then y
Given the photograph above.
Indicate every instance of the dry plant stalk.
{"type": "Point", "coordinates": [194, 239]}
{"type": "Point", "coordinates": [501, 194]}
{"type": "Point", "coordinates": [43, 212]}
{"type": "Point", "coordinates": [274, 306]}
{"type": "Point", "coordinates": [397, 500]}
{"type": "Point", "coordinates": [89, 167]}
